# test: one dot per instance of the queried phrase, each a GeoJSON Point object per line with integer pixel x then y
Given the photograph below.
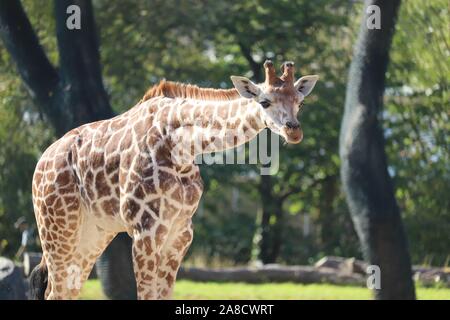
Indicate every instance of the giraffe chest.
{"type": "Point", "coordinates": [193, 189]}
{"type": "Point", "coordinates": [179, 192]}
{"type": "Point", "coordinates": [158, 192]}
{"type": "Point", "coordinates": [133, 184]}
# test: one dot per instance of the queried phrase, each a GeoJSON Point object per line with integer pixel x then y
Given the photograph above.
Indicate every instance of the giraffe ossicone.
{"type": "Point", "coordinates": [135, 173]}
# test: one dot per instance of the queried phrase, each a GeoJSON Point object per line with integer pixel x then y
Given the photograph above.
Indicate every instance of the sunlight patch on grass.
{"type": "Point", "coordinates": [92, 290]}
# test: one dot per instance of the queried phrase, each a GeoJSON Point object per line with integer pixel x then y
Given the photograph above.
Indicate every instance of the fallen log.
{"type": "Point", "coordinates": [330, 269]}
{"type": "Point", "coordinates": [343, 265]}
{"type": "Point", "coordinates": [431, 276]}
{"type": "Point", "coordinates": [272, 273]}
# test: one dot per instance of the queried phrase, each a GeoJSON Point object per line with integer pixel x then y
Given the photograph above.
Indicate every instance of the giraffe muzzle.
{"type": "Point", "coordinates": [292, 132]}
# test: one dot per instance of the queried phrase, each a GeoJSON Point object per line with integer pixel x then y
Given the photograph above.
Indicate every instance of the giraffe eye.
{"type": "Point", "coordinates": [265, 103]}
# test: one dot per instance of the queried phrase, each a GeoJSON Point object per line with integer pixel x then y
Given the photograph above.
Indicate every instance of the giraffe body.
{"type": "Point", "coordinates": [108, 177]}
{"type": "Point", "coordinates": [122, 174]}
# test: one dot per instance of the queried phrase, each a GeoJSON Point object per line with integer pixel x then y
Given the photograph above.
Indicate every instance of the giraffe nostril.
{"type": "Point", "coordinates": [292, 125]}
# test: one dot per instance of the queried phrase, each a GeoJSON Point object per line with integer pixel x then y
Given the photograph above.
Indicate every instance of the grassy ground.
{"type": "Point", "coordinates": [190, 290]}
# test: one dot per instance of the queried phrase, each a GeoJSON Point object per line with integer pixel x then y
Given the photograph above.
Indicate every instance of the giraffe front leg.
{"type": "Point", "coordinates": [145, 261]}
{"type": "Point", "coordinates": [149, 209]}
{"type": "Point", "coordinates": [172, 255]}
{"type": "Point", "coordinates": [147, 247]}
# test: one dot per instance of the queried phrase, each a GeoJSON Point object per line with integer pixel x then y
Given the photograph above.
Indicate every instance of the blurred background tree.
{"type": "Point", "coordinates": [369, 189]}
{"type": "Point", "coordinates": [299, 214]}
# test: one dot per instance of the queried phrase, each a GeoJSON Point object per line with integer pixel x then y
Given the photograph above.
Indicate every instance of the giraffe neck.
{"type": "Point", "coordinates": [200, 127]}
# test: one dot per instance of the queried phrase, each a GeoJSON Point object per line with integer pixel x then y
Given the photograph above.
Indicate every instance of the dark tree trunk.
{"type": "Point", "coordinates": [327, 216]}
{"type": "Point", "coordinates": [68, 97]}
{"type": "Point", "coordinates": [368, 187]}
{"type": "Point", "coordinates": [115, 270]}
{"type": "Point", "coordinates": [74, 94]}
{"type": "Point", "coordinates": [271, 234]}
{"type": "Point", "coordinates": [277, 232]}
{"type": "Point", "coordinates": [83, 93]}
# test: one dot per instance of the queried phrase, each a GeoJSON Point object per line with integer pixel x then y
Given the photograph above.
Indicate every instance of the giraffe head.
{"type": "Point", "coordinates": [280, 98]}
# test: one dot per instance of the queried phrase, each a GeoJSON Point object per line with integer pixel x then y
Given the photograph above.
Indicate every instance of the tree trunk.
{"type": "Point", "coordinates": [115, 270]}
{"type": "Point", "coordinates": [271, 234]}
{"type": "Point", "coordinates": [83, 94]}
{"type": "Point", "coordinates": [273, 273]}
{"type": "Point", "coordinates": [368, 187]}
{"type": "Point", "coordinates": [68, 97]}
{"type": "Point", "coordinates": [73, 94]}
{"type": "Point", "coordinates": [327, 216]}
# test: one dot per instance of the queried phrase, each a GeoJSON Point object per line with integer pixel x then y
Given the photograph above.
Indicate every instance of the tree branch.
{"type": "Point", "coordinates": [255, 66]}
{"type": "Point", "coordinates": [23, 45]}
{"type": "Point", "coordinates": [246, 52]}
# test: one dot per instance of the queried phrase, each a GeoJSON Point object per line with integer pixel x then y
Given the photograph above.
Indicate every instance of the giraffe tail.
{"type": "Point", "coordinates": [38, 281]}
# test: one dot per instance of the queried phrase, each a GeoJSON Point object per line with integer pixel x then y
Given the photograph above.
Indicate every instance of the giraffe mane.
{"type": "Point", "coordinates": [173, 89]}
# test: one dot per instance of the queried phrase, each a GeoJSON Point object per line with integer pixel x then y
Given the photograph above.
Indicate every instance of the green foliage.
{"type": "Point", "coordinates": [205, 43]}
{"type": "Point", "coordinates": [223, 238]}
{"type": "Point", "coordinates": [417, 115]}
{"type": "Point", "coordinates": [23, 137]}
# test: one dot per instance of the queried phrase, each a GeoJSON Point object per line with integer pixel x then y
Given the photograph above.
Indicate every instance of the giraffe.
{"type": "Point", "coordinates": [123, 175]}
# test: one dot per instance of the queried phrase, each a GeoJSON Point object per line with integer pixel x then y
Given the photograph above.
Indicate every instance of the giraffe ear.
{"type": "Point", "coordinates": [305, 84]}
{"type": "Point", "coordinates": [245, 87]}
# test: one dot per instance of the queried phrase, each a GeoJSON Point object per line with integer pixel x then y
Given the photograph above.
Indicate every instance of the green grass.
{"type": "Point", "coordinates": [190, 290]}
